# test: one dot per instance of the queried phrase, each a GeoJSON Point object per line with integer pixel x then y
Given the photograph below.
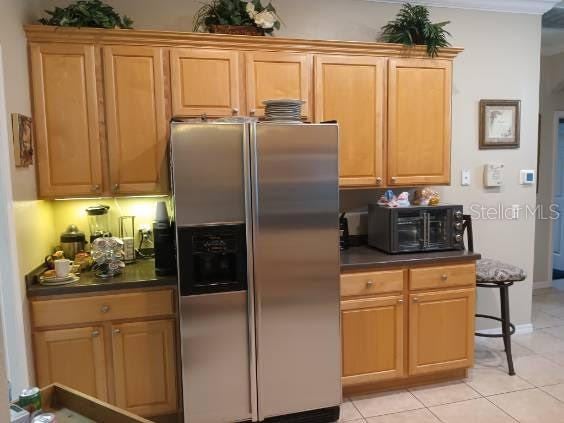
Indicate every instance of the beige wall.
{"type": "Point", "coordinates": [551, 100]}
{"type": "Point", "coordinates": [501, 60]}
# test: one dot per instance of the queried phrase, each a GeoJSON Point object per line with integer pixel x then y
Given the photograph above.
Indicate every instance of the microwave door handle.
{"type": "Point", "coordinates": [426, 230]}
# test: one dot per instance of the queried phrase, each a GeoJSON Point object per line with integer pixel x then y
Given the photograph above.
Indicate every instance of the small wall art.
{"type": "Point", "coordinates": [22, 139]}
{"type": "Point", "coordinates": [500, 122]}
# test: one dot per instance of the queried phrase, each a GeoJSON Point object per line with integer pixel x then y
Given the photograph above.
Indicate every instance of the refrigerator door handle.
{"type": "Point", "coordinates": [248, 147]}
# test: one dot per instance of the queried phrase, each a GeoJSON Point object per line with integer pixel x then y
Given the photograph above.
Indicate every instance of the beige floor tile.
{"type": "Point", "coordinates": [539, 342]}
{"type": "Point", "coordinates": [386, 403]}
{"type": "Point", "coordinates": [349, 413]}
{"type": "Point", "coordinates": [557, 391]}
{"type": "Point", "coordinates": [414, 416]}
{"type": "Point", "coordinates": [539, 370]}
{"type": "Point", "coordinates": [474, 411]}
{"type": "Point", "coordinates": [556, 357]}
{"type": "Point", "coordinates": [542, 320]}
{"type": "Point", "coordinates": [444, 393]}
{"type": "Point", "coordinates": [490, 352]}
{"type": "Point", "coordinates": [495, 381]}
{"type": "Point", "coordinates": [556, 331]}
{"type": "Point", "coordinates": [530, 406]}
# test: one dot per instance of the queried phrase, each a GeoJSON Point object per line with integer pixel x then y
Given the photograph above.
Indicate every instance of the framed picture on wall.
{"type": "Point", "coordinates": [500, 122]}
{"type": "Point", "coordinates": [22, 140]}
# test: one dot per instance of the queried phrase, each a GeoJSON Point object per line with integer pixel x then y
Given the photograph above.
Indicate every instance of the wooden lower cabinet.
{"type": "Point", "coordinates": [441, 330]}
{"type": "Point", "coordinates": [127, 358]}
{"type": "Point", "coordinates": [410, 336]}
{"type": "Point", "coordinates": [144, 367]}
{"type": "Point", "coordinates": [72, 357]}
{"type": "Point", "coordinates": [372, 339]}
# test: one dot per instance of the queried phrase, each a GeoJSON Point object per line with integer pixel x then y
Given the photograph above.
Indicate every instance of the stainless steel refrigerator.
{"type": "Point", "coordinates": [256, 209]}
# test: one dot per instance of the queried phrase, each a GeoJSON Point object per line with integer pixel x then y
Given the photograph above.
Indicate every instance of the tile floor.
{"type": "Point", "coordinates": [489, 394]}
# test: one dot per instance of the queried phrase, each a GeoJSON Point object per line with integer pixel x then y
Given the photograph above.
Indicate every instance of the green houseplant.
{"type": "Point", "coordinates": [87, 13]}
{"type": "Point", "coordinates": [243, 17]}
{"type": "Point", "coordinates": [412, 26]}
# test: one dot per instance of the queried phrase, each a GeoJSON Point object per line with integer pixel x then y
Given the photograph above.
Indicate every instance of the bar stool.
{"type": "Point", "coordinates": [496, 274]}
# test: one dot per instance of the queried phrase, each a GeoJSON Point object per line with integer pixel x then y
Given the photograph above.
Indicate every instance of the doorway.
{"type": "Point", "coordinates": [558, 200]}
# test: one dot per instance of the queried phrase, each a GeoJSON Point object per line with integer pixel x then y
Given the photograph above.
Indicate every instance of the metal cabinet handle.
{"type": "Point", "coordinates": [235, 110]}
{"type": "Point", "coordinates": [444, 277]}
{"type": "Point", "coordinates": [105, 308]}
{"type": "Point", "coordinates": [415, 299]}
{"type": "Point", "coordinates": [400, 301]}
{"type": "Point", "coordinates": [369, 283]}
{"type": "Point", "coordinates": [378, 180]}
{"type": "Point", "coordinates": [393, 179]}
{"type": "Point", "coordinates": [117, 331]}
{"type": "Point", "coordinates": [115, 188]}
{"type": "Point", "coordinates": [95, 188]}
{"type": "Point", "coordinates": [95, 333]}
{"type": "Point", "coordinates": [252, 112]}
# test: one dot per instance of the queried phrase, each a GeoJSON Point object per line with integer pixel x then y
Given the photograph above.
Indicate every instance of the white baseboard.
{"type": "Point", "coordinates": [543, 284]}
{"type": "Point", "coordinates": [519, 329]}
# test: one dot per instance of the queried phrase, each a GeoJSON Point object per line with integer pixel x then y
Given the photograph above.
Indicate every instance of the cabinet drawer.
{"type": "Point", "coordinates": [70, 311]}
{"type": "Point", "coordinates": [370, 283]}
{"type": "Point", "coordinates": [442, 277]}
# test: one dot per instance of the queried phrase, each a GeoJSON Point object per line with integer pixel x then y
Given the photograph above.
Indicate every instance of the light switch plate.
{"type": "Point", "coordinates": [465, 178]}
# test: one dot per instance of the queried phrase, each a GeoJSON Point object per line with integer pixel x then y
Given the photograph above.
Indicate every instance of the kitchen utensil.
{"type": "Point", "coordinates": [98, 221]}
{"type": "Point", "coordinates": [62, 267]}
{"type": "Point", "coordinates": [127, 235]}
{"type": "Point", "coordinates": [72, 241]}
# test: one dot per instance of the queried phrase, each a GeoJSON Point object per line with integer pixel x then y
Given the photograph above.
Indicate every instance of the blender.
{"type": "Point", "coordinates": [98, 221]}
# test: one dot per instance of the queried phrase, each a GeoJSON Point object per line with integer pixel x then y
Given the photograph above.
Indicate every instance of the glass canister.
{"type": "Point", "coordinates": [98, 221]}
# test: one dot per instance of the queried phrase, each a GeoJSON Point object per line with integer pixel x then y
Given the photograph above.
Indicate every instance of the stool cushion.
{"type": "Point", "coordinates": [488, 270]}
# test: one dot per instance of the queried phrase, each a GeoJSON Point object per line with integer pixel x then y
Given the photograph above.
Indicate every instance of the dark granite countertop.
{"type": "Point", "coordinates": [136, 275]}
{"type": "Point", "coordinates": [365, 257]}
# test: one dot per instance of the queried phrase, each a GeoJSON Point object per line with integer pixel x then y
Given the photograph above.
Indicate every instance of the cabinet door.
{"type": "Point", "coordinates": [72, 357]}
{"type": "Point", "coordinates": [136, 119]}
{"type": "Point", "coordinates": [372, 337]}
{"type": "Point", "coordinates": [145, 367]}
{"type": "Point", "coordinates": [65, 109]}
{"type": "Point", "coordinates": [275, 76]}
{"type": "Point", "coordinates": [205, 82]}
{"type": "Point", "coordinates": [441, 330]}
{"type": "Point", "coordinates": [351, 90]}
{"type": "Point", "coordinates": [419, 121]}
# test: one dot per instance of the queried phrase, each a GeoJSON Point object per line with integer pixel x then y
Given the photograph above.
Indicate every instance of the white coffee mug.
{"type": "Point", "coordinates": [62, 267]}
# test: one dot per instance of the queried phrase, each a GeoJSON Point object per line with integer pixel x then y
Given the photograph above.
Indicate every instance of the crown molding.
{"type": "Point", "coordinates": [533, 7]}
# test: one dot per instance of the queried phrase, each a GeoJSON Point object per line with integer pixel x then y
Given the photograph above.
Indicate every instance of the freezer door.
{"type": "Point", "coordinates": [296, 267]}
{"type": "Point", "coordinates": [207, 172]}
{"type": "Point", "coordinates": [215, 358]}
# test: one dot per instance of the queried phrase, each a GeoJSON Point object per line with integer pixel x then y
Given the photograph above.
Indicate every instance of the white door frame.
{"type": "Point", "coordinates": [559, 114]}
{"type": "Point", "coordinates": [12, 293]}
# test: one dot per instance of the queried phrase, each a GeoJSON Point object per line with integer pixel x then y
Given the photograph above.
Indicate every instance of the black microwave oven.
{"type": "Point", "coordinates": [416, 228]}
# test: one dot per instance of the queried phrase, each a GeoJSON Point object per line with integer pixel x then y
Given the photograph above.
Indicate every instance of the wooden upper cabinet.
{"type": "Point", "coordinates": [352, 91]}
{"type": "Point", "coordinates": [205, 82]}
{"type": "Point", "coordinates": [73, 357]}
{"type": "Point", "coordinates": [273, 76]}
{"type": "Point", "coordinates": [137, 124]}
{"type": "Point", "coordinates": [419, 121]}
{"type": "Point", "coordinates": [441, 330]}
{"type": "Point", "coordinates": [372, 339]}
{"type": "Point", "coordinates": [65, 111]}
{"type": "Point", "coordinates": [145, 367]}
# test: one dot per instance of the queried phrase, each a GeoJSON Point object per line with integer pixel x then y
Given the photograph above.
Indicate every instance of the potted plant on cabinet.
{"type": "Point", "coordinates": [87, 13]}
{"type": "Point", "coordinates": [412, 26]}
{"type": "Point", "coordinates": [237, 17]}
